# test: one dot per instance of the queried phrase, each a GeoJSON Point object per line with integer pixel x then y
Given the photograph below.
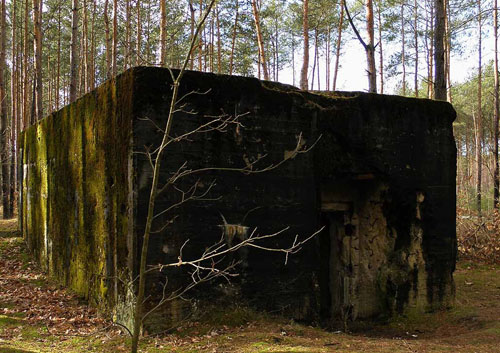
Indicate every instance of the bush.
{"type": "Point", "coordinates": [478, 237]}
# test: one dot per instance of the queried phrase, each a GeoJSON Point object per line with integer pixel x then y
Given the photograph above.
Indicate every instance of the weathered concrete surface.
{"type": "Point", "coordinates": [381, 180]}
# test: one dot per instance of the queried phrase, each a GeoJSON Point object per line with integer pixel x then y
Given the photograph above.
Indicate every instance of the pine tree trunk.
{"type": "Point", "coordinates": [38, 91]}
{"type": "Point", "coordinates": [479, 118]}
{"type": "Point", "coordinates": [192, 11]}
{"type": "Point", "coordinates": [26, 80]}
{"type": "Point", "coordinates": [381, 51]}
{"type": "Point", "coordinates": [327, 59]}
{"type": "Point", "coordinates": [86, 57]}
{"type": "Point", "coordinates": [447, 43]}
{"type": "Point", "coordinates": [370, 48]}
{"type": "Point", "coordinates": [139, 35]}
{"type": "Point", "coordinates": [163, 32]}
{"type": "Point", "coordinates": [4, 120]}
{"type": "Point", "coordinates": [260, 42]}
{"type": "Point", "coordinates": [439, 62]}
{"type": "Point", "coordinates": [305, 61]}
{"type": "Point", "coordinates": [107, 39]}
{"type": "Point", "coordinates": [14, 109]}
{"type": "Point", "coordinates": [314, 59]}
{"type": "Point", "coordinates": [415, 28]}
{"type": "Point", "coordinates": [496, 177]}
{"type": "Point", "coordinates": [337, 51]}
{"type": "Point", "coordinates": [403, 54]}
{"type": "Point", "coordinates": [115, 39]}
{"type": "Point", "coordinates": [219, 42]}
{"type": "Point", "coordinates": [58, 69]}
{"type": "Point", "coordinates": [233, 39]}
{"type": "Point", "coordinates": [73, 84]}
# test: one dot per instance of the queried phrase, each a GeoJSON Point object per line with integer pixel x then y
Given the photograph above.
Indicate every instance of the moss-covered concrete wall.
{"type": "Point", "coordinates": [381, 181]}
{"type": "Point", "coordinates": [74, 185]}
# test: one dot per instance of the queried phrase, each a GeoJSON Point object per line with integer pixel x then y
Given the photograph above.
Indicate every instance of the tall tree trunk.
{"type": "Point", "coordinates": [233, 39]}
{"type": "Point", "coordinates": [107, 39]}
{"type": "Point", "coordinates": [293, 59]}
{"type": "Point", "coordinates": [93, 47]}
{"type": "Point", "coordinates": [370, 48]}
{"type": "Point", "coordinates": [403, 54]}
{"type": "Point", "coordinates": [4, 121]}
{"type": "Point", "coordinates": [149, 54]}
{"type": "Point", "coordinates": [201, 42]}
{"type": "Point", "coordinates": [447, 50]}
{"type": "Point", "coordinates": [260, 42]}
{"type": "Point", "coordinates": [337, 50]}
{"type": "Point", "coordinates": [316, 56]}
{"type": "Point", "coordinates": [128, 41]}
{"type": "Point", "coordinates": [381, 52]}
{"type": "Point", "coordinates": [37, 25]}
{"type": "Point", "coordinates": [479, 118]}
{"type": "Point", "coordinates": [439, 62]}
{"type": "Point", "coordinates": [58, 69]}
{"type": "Point", "coordinates": [163, 32]}
{"type": "Point", "coordinates": [139, 35]}
{"type": "Point", "coordinates": [314, 59]}
{"type": "Point", "coordinates": [192, 11]}
{"type": "Point", "coordinates": [327, 58]}
{"type": "Point", "coordinates": [115, 39]}
{"type": "Point", "coordinates": [496, 177]}
{"type": "Point", "coordinates": [14, 109]}
{"type": "Point", "coordinates": [26, 85]}
{"type": "Point", "coordinates": [415, 38]}
{"type": "Point", "coordinates": [304, 84]}
{"type": "Point", "coordinates": [219, 42]}
{"type": "Point", "coordinates": [86, 56]}
{"type": "Point", "coordinates": [73, 59]}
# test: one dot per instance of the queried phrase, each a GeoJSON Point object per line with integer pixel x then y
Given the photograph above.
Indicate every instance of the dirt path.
{"type": "Point", "coordinates": [37, 315]}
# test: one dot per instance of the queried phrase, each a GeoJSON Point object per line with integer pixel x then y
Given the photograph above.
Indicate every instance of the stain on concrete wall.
{"type": "Point", "coordinates": [381, 179]}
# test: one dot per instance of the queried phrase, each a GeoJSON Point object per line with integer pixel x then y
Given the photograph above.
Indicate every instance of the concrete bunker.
{"type": "Point", "coordinates": [381, 180]}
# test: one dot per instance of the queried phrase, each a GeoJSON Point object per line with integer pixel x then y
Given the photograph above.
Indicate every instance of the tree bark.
{"type": "Point", "coordinates": [26, 46]}
{"type": "Point", "coordinates": [4, 132]}
{"type": "Point", "coordinates": [380, 51]}
{"type": "Point", "coordinates": [447, 44]}
{"type": "Point", "coordinates": [496, 177]}
{"type": "Point", "coordinates": [138, 60]}
{"type": "Point", "coordinates": [415, 38]}
{"type": "Point", "coordinates": [233, 39]}
{"type": "Point", "coordinates": [439, 62]}
{"type": "Point", "coordinates": [107, 39]}
{"type": "Point", "coordinates": [14, 109]}
{"type": "Point", "coordinates": [479, 118]}
{"type": "Point", "coordinates": [58, 69]}
{"type": "Point", "coordinates": [86, 56]}
{"type": "Point", "coordinates": [369, 47]}
{"type": "Point", "coordinates": [115, 39]}
{"type": "Point", "coordinates": [304, 84]}
{"type": "Point", "coordinates": [337, 50]}
{"type": "Point", "coordinates": [403, 54]}
{"type": "Point", "coordinates": [128, 41]}
{"type": "Point", "coordinates": [73, 84]}
{"type": "Point", "coordinates": [37, 26]}
{"type": "Point", "coordinates": [260, 42]}
{"type": "Point", "coordinates": [163, 32]}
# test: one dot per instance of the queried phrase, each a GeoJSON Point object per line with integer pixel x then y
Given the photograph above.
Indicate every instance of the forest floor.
{"type": "Point", "coordinates": [37, 315]}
